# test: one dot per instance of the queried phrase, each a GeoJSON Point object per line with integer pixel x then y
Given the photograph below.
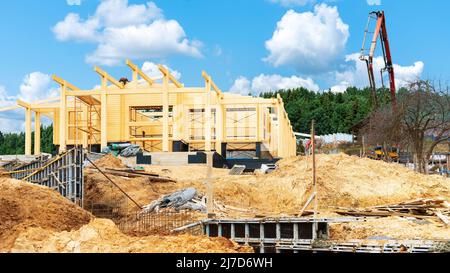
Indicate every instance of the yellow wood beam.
{"type": "Point", "coordinates": [64, 82]}
{"type": "Point", "coordinates": [23, 104]}
{"type": "Point", "coordinates": [213, 84]}
{"type": "Point", "coordinates": [9, 108]}
{"type": "Point", "coordinates": [165, 102]}
{"type": "Point", "coordinates": [140, 72]}
{"type": "Point", "coordinates": [28, 131]}
{"type": "Point", "coordinates": [139, 91]}
{"type": "Point", "coordinates": [166, 73]}
{"type": "Point", "coordinates": [63, 119]}
{"type": "Point", "coordinates": [37, 133]}
{"type": "Point", "coordinates": [208, 136]}
{"type": "Point", "coordinates": [108, 77]}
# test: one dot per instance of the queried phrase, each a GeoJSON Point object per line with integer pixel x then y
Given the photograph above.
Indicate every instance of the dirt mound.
{"type": "Point", "coordinates": [98, 190]}
{"type": "Point", "coordinates": [24, 205]}
{"type": "Point", "coordinates": [109, 161]}
{"type": "Point", "coordinates": [342, 180]}
{"type": "Point", "coordinates": [102, 236]}
{"type": "Point", "coordinates": [357, 182]}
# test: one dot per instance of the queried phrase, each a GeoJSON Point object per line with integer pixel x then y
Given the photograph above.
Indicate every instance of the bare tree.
{"type": "Point", "coordinates": [425, 113]}
{"type": "Point", "coordinates": [420, 122]}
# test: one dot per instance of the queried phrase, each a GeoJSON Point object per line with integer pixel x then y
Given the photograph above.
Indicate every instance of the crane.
{"type": "Point", "coordinates": [380, 31]}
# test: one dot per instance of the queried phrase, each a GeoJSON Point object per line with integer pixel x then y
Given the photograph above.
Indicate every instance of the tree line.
{"type": "Point", "coordinates": [14, 143]}
{"type": "Point", "coordinates": [333, 112]}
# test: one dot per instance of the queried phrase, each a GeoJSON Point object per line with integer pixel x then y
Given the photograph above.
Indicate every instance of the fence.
{"type": "Point", "coordinates": [160, 223]}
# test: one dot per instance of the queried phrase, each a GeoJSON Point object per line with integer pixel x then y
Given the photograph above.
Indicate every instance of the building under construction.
{"type": "Point", "coordinates": [161, 115]}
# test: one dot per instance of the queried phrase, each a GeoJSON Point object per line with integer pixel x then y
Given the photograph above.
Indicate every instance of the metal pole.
{"type": "Point", "coordinates": [117, 186]}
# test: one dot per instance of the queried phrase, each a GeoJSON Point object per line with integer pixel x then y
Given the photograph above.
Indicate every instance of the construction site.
{"type": "Point", "coordinates": [148, 165]}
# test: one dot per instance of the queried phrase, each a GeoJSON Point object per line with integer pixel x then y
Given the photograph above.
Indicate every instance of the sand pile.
{"type": "Point", "coordinates": [356, 182]}
{"type": "Point", "coordinates": [24, 205]}
{"type": "Point", "coordinates": [392, 227]}
{"type": "Point", "coordinates": [99, 190]}
{"type": "Point", "coordinates": [343, 181]}
{"type": "Point", "coordinates": [102, 236]}
{"type": "Point", "coordinates": [109, 161]}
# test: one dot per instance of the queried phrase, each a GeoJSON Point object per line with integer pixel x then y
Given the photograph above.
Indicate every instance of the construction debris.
{"type": "Point", "coordinates": [390, 228]}
{"type": "Point", "coordinates": [131, 151]}
{"type": "Point", "coordinates": [237, 170]}
{"type": "Point", "coordinates": [268, 168]}
{"type": "Point", "coordinates": [179, 200]}
{"type": "Point", "coordinates": [422, 208]}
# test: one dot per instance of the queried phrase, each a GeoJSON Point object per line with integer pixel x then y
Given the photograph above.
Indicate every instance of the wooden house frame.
{"type": "Point", "coordinates": [156, 114]}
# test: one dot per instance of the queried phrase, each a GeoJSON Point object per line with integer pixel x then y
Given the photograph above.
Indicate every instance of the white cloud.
{"type": "Point", "coordinates": [267, 83]}
{"type": "Point", "coordinates": [341, 87]}
{"type": "Point", "coordinates": [373, 2]}
{"type": "Point", "coordinates": [151, 69]}
{"type": "Point", "coordinates": [74, 2]}
{"type": "Point", "coordinates": [356, 73]}
{"type": "Point", "coordinates": [35, 86]}
{"type": "Point", "coordinates": [155, 40]}
{"type": "Point", "coordinates": [124, 30]}
{"type": "Point", "coordinates": [11, 125]}
{"type": "Point", "coordinates": [73, 28]}
{"type": "Point", "coordinates": [117, 13]}
{"type": "Point", "coordinates": [5, 100]}
{"type": "Point", "coordinates": [291, 3]}
{"type": "Point", "coordinates": [311, 41]}
{"type": "Point", "coordinates": [241, 86]}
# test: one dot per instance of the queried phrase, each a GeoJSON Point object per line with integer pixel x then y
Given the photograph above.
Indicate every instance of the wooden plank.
{"type": "Point", "coordinates": [442, 217]}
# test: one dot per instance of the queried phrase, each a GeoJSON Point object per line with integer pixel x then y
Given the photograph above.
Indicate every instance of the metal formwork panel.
{"type": "Point", "coordinates": [265, 235]}
{"type": "Point", "coordinates": [63, 173]}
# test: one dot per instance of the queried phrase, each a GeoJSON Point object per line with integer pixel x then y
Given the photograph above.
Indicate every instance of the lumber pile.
{"type": "Point", "coordinates": [132, 173]}
{"type": "Point", "coordinates": [421, 208]}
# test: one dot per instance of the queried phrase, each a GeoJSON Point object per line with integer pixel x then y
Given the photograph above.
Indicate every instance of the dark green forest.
{"type": "Point", "coordinates": [333, 112]}
{"type": "Point", "coordinates": [13, 143]}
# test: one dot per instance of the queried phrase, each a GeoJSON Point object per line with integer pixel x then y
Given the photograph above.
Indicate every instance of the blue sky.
{"type": "Point", "coordinates": [234, 41]}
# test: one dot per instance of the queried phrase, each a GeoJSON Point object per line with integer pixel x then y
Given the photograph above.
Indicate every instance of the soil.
{"type": "Point", "coordinates": [24, 205]}
{"type": "Point", "coordinates": [102, 236]}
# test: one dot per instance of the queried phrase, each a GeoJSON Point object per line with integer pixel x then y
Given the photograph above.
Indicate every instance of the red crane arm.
{"type": "Point", "coordinates": [381, 31]}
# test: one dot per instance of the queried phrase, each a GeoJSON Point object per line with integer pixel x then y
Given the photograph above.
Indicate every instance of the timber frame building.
{"type": "Point", "coordinates": [159, 114]}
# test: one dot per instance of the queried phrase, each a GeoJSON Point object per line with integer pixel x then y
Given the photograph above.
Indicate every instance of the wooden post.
{"type": "Point", "coordinates": [37, 133]}
{"type": "Point", "coordinates": [209, 186]}
{"type": "Point", "coordinates": [364, 146]}
{"type": "Point", "coordinates": [208, 126]}
{"type": "Point", "coordinates": [176, 119]}
{"type": "Point", "coordinates": [316, 198]}
{"type": "Point", "coordinates": [63, 120]}
{"type": "Point", "coordinates": [28, 131]}
{"type": "Point", "coordinates": [104, 113]}
{"type": "Point", "coordinates": [448, 164]}
{"type": "Point", "coordinates": [85, 117]}
{"type": "Point", "coordinates": [219, 126]}
{"type": "Point", "coordinates": [280, 130]}
{"type": "Point", "coordinates": [165, 100]}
